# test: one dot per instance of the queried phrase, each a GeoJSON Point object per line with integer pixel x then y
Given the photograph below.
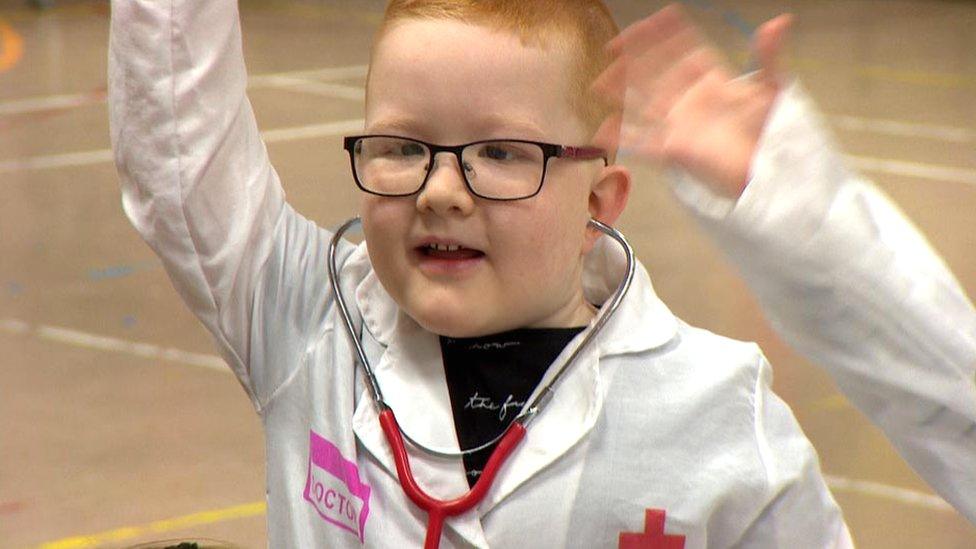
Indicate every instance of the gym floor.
{"type": "Point", "coordinates": [120, 425]}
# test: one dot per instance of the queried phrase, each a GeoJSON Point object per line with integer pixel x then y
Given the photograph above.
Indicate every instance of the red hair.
{"type": "Point", "coordinates": [583, 27]}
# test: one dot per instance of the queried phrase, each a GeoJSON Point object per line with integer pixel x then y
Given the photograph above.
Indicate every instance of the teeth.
{"type": "Point", "coordinates": [443, 247]}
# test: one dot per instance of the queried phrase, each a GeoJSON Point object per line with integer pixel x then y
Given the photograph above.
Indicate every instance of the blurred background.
{"type": "Point", "coordinates": [119, 424]}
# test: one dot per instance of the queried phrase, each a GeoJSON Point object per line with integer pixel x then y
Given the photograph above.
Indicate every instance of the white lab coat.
{"type": "Point", "coordinates": [656, 419]}
{"type": "Point", "coordinates": [848, 281]}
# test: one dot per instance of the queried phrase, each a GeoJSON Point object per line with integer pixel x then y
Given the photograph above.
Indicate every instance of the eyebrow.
{"type": "Point", "coordinates": [490, 125]}
{"type": "Point", "coordinates": [394, 125]}
{"type": "Point", "coordinates": [494, 123]}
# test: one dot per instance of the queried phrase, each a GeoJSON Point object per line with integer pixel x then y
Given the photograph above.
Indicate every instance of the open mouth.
{"type": "Point", "coordinates": [448, 252]}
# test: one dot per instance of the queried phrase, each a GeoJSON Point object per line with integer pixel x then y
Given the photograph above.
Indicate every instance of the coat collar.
{"type": "Point", "coordinates": [411, 376]}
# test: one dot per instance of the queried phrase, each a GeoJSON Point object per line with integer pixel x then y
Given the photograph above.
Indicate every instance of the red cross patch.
{"type": "Point", "coordinates": [653, 536]}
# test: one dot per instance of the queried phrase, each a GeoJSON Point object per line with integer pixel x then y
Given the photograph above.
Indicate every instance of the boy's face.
{"type": "Point", "coordinates": [449, 82]}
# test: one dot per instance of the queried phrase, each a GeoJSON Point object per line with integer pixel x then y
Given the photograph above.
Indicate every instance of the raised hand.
{"type": "Point", "coordinates": [683, 105]}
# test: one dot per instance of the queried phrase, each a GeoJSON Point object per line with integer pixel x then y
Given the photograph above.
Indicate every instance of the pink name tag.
{"type": "Point", "coordinates": [334, 488]}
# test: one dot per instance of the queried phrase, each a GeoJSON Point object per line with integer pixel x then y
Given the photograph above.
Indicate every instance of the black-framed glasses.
{"type": "Point", "coordinates": [496, 169]}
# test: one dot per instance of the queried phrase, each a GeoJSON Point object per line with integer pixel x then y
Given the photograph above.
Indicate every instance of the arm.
{"type": "Point", "coordinates": [844, 277]}
{"type": "Point", "coordinates": [196, 181]}
{"type": "Point", "coordinates": [848, 281]}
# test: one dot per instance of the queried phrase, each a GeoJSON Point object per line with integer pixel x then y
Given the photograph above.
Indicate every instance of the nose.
{"type": "Point", "coordinates": [445, 192]}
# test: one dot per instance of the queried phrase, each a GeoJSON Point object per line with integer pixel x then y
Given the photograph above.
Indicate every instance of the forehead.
{"type": "Point", "coordinates": [455, 81]}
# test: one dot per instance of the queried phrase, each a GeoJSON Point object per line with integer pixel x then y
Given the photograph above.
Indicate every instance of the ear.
{"type": "Point", "coordinates": [608, 197]}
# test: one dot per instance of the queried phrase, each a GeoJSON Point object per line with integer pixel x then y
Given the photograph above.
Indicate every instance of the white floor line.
{"type": "Point", "coordinates": [14, 326]}
{"type": "Point", "coordinates": [319, 82]}
{"type": "Point", "coordinates": [918, 170]}
{"type": "Point", "coordinates": [327, 129]}
{"type": "Point", "coordinates": [43, 103]}
{"type": "Point", "coordinates": [88, 340]}
{"type": "Point", "coordinates": [49, 102]}
{"type": "Point", "coordinates": [325, 89]}
{"type": "Point", "coordinates": [324, 74]}
{"type": "Point", "coordinates": [77, 338]}
{"type": "Point", "coordinates": [904, 496]}
{"type": "Point", "coordinates": [289, 80]}
{"type": "Point", "coordinates": [88, 158]}
{"type": "Point", "coordinates": [50, 161]}
{"type": "Point", "coordinates": [298, 80]}
{"type": "Point", "coordinates": [904, 129]}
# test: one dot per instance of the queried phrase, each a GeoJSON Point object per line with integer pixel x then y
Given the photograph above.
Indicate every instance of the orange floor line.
{"type": "Point", "coordinates": [11, 47]}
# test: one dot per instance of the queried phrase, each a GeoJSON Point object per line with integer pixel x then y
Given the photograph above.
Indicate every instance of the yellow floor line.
{"type": "Point", "coordinates": [891, 74]}
{"type": "Point", "coordinates": [883, 73]}
{"type": "Point", "coordinates": [128, 533]}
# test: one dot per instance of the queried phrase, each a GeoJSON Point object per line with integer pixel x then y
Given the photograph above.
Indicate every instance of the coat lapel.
{"type": "Point", "coordinates": [642, 322]}
{"type": "Point", "coordinates": [411, 376]}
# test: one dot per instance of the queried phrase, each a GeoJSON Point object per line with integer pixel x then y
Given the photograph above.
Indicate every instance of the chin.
{"type": "Point", "coordinates": [444, 325]}
{"type": "Point", "coordinates": [452, 321]}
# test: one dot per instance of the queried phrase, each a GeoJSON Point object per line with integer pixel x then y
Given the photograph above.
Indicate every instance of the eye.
{"type": "Point", "coordinates": [411, 149]}
{"type": "Point", "coordinates": [507, 152]}
{"type": "Point", "coordinates": [498, 151]}
{"type": "Point", "coordinates": [389, 148]}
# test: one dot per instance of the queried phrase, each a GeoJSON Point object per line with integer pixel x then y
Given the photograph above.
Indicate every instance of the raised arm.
{"type": "Point", "coordinates": [196, 181]}
{"type": "Point", "coordinates": [847, 280]}
{"type": "Point", "coordinates": [840, 272]}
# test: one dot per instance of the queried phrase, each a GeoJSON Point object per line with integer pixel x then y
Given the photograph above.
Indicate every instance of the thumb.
{"type": "Point", "coordinates": [769, 47]}
{"type": "Point", "coordinates": [607, 136]}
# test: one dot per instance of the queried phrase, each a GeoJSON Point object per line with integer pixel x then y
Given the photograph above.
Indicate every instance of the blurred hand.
{"type": "Point", "coordinates": [683, 105]}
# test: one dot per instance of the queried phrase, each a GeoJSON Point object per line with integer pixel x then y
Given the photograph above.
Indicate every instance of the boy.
{"type": "Point", "coordinates": [660, 435]}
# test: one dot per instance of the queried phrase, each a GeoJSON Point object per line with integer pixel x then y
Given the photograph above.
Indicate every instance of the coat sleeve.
{"type": "Point", "coordinates": [851, 284]}
{"type": "Point", "coordinates": [196, 180]}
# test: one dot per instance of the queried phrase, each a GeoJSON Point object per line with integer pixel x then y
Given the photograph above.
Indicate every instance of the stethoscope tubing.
{"type": "Point", "coordinates": [372, 384]}
{"type": "Point", "coordinates": [438, 510]}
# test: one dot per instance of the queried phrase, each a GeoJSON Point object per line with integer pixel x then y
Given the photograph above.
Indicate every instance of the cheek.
{"type": "Point", "coordinates": [385, 220]}
{"type": "Point", "coordinates": [561, 224]}
{"type": "Point", "coordinates": [546, 242]}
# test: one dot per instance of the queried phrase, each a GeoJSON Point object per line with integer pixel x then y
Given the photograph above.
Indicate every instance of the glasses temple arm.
{"type": "Point", "coordinates": [583, 153]}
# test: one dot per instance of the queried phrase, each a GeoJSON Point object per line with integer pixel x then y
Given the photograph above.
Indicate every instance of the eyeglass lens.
{"type": "Point", "coordinates": [493, 169]}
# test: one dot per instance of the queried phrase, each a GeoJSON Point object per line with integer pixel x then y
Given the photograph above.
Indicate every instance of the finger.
{"type": "Point", "coordinates": [652, 63]}
{"type": "Point", "coordinates": [611, 84]}
{"type": "Point", "coordinates": [674, 84]}
{"type": "Point", "coordinates": [648, 32]}
{"type": "Point", "coordinates": [723, 164]}
{"type": "Point", "coordinates": [607, 136]}
{"type": "Point", "coordinates": [641, 141]}
{"type": "Point", "coordinates": [769, 46]}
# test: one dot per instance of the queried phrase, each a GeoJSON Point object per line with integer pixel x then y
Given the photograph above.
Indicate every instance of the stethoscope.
{"type": "Point", "coordinates": [438, 510]}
